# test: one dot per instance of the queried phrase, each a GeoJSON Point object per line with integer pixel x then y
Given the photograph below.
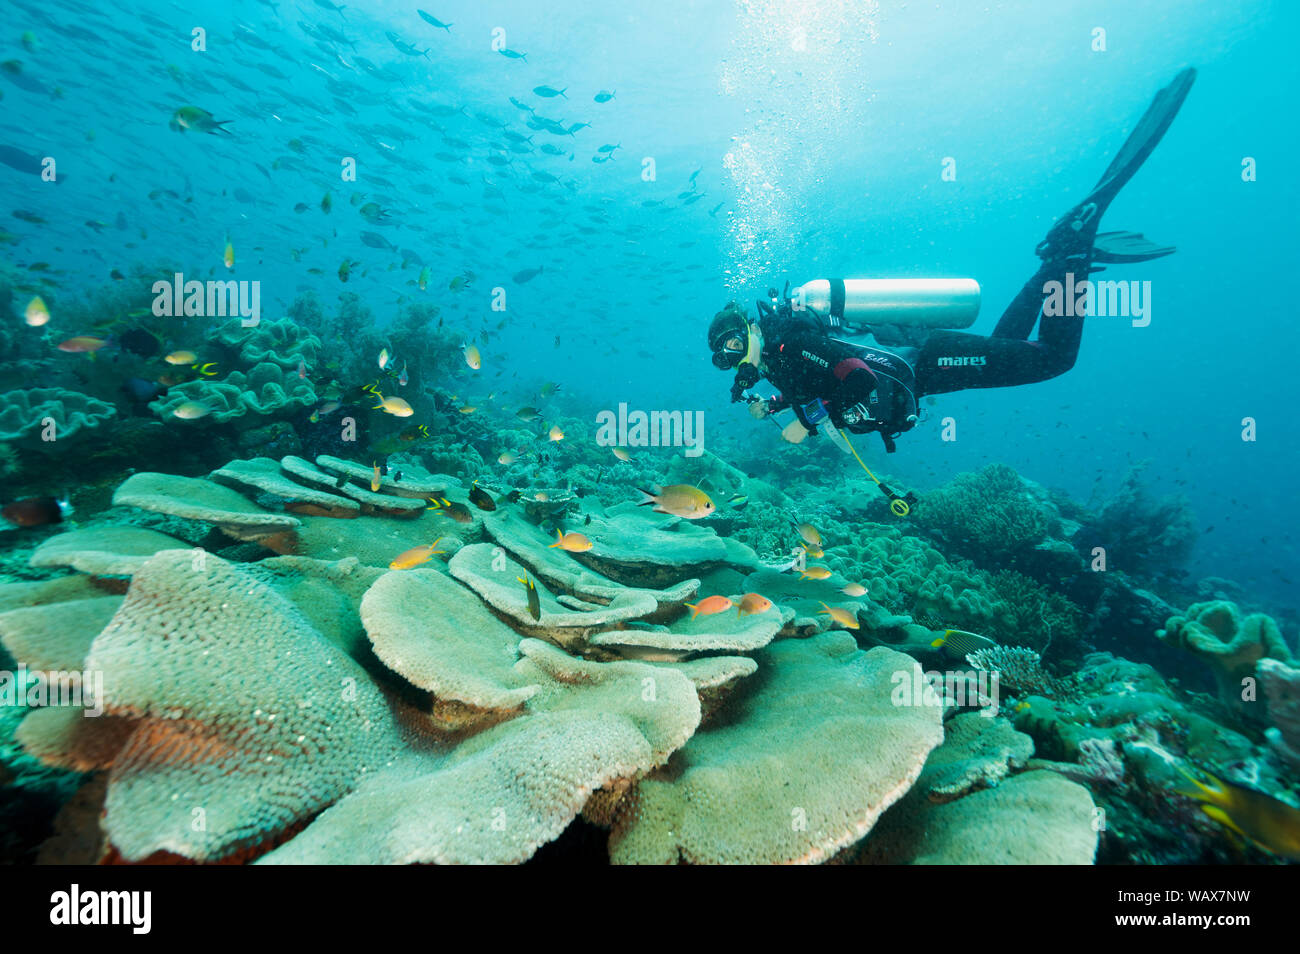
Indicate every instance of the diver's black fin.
{"type": "Point", "coordinates": [1072, 234]}
{"type": "Point", "coordinates": [1125, 247]}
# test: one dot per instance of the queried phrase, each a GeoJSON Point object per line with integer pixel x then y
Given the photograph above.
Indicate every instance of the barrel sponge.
{"type": "Point", "coordinates": [985, 515]}
{"type": "Point", "coordinates": [1035, 818]}
{"type": "Point", "coordinates": [501, 794]}
{"type": "Point", "coordinates": [22, 414]}
{"type": "Point", "coordinates": [808, 758]}
{"type": "Point", "coordinates": [1216, 633]}
{"type": "Point", "coordinates": [248, 720]}
{"type": "Point", "coordinates": [282, 342]}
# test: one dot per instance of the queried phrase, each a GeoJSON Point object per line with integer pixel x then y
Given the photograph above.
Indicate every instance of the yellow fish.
{"type": "Point", "coordinates": [556, 434]}
{"type": "Point", "coordinates": [815, 573]}
{"type": "Point", "coordinates": [753, 603]}
{"type": "Point", "coordinates": [229, 256]}
{"type": "Point", "coordinates": [680, 500]}
{"type": "Point", "coordinates": [572, 542]}
{"type": "Point", "coordinates": [841, 616]}
{"type": "Point", "coordinates": [810, 534]}
{"type": "Point", "coordinates": [854, 589]}
{"type": "Point", "coordinates": [960, 643]}
{"type": "Point", "coordinates": [374, 478]}
{"type": "Point", "coordinates": [394, 406]}
{"type": "Point", "coordinates": [1262, 819]}
{"type": "Point", "coordinates": [621, 453]}
{"type": "Point", "coordinates": [507, 458]}
{"type": "Point", "coordinates": [181, 357]}
{"type": "Point", "coordinates": [36, 313]}
{"type": "Point", "coordinates": [472, 357]}
{"type": "Point", "coordinates": [414, 556]}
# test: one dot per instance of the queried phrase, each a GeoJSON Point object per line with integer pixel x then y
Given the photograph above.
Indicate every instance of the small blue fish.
{"type": "Point", "coordinates": [548, 92]}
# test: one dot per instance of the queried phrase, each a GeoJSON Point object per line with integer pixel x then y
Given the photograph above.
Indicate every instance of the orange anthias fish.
{"type": "Point", "coordinates": [572, 542]}
{"type": "Point", "coordinates": [752, 603]}
{"type": "Point", "coordinates": [709, 606]}
{"type": "Point", "coordinates": [414, 556]}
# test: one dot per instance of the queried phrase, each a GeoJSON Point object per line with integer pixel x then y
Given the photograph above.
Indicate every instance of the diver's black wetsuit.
{"type": "Point", "coordinates": [807, 362]}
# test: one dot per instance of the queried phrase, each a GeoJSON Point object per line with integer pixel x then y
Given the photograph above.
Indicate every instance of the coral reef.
{"type": "Point", "coordinates": [426, 714]}
{"type": "Point", "coordinates": [1230, 644]}
{"type": "Point", "coordinates": [44, 418]}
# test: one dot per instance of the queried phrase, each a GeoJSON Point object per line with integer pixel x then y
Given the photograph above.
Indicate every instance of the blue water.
{"type": "Point", "coordinates": [822, 132]}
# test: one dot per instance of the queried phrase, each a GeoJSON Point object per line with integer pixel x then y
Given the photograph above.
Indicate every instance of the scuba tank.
{"type": "Point", "coordinates": [852, 303]}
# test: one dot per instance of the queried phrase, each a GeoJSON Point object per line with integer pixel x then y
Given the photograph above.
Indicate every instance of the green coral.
{"type": "Point", "coordinates": [265, 390]}
{"type": "Point", "coordinates": [1231, 645]}
{"type": "Point", "coordinates": [283, 343]}
{"type": "Point", "coordinates": [1039, 618]}
{"type": "Point", "coordinates": [987, 516]}
{"type": "Point", "coordinates": [23, 415]}
{"type": "Point", "coordinates": [911, 576]}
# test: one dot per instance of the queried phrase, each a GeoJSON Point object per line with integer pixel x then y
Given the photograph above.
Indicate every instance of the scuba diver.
{"type": "Point", "coordinates": [841, 385]}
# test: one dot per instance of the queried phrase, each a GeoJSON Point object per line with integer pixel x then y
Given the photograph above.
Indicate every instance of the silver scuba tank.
{"type": "Point", "coordinates": [910, 302]}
